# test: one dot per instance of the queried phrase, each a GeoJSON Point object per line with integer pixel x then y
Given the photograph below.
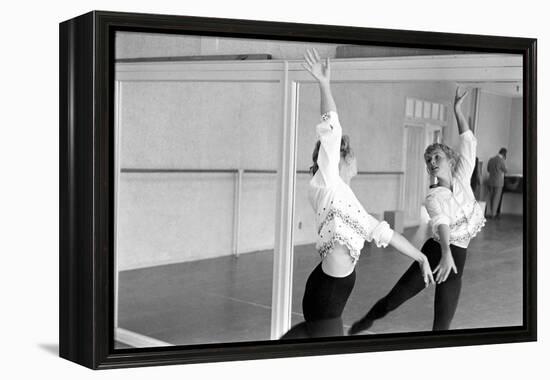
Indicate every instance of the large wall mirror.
{"type": "Point", "coordinates": [214, 232]}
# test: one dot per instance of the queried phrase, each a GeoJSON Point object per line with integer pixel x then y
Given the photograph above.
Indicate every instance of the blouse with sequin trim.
{"type": "Point", "coordinates": [458, 207]}
{"type": "Point", "coordinates": [339, 216]}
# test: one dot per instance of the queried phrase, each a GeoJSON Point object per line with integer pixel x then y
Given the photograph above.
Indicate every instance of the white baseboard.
{"type": "Point", "coordinates": [179, 261]}
{"type": "Point", "coordinates": [138, 340]}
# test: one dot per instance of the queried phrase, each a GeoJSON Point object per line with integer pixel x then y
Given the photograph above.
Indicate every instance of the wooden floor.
{"type": "Point", "coordinates": [228, 299]}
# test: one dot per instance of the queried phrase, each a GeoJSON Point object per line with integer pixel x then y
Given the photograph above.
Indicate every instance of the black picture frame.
{"type": "Point", "coordinates": [87, 188]}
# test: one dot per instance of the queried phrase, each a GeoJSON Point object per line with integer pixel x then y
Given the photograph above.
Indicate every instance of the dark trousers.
{"type": "Point", "coordinates": [323, 304]}
{"type": "Point", "coordinates": [411, 283]}
{"type": "Point", "coordinates": [494, 200]}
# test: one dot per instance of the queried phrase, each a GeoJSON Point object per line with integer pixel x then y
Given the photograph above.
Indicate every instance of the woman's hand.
{"type": "Point", "coordinates": [314, 65]}
{"type": "Point", "coordinates": [460, 119]}
{"type": "Point", "coordinates": [459, 98]}
{"type": "Point", "coordinates": [445, 266]}
{"type": "Point", "coordinates": [426, 271]}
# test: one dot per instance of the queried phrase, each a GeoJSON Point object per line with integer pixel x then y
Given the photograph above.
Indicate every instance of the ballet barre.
{"type": "Point", "coordinates": [252, 171]}
{"type": "Point", "coordinates": [239, 173]}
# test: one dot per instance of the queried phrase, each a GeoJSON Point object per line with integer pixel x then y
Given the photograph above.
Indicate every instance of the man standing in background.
{"type": "Point", "coordinates": [496, 168]}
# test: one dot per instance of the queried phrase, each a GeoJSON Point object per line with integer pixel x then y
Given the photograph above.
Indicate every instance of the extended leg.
{"type": "Point", "coordinates": [409, 285]}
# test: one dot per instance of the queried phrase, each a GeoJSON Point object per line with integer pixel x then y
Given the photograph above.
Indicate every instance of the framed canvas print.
{"type": "Point", "coordinates": [236, 189]}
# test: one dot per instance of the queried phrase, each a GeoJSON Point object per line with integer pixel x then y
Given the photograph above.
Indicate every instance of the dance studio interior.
{"type": "Point", "coordinates": [214, 232]}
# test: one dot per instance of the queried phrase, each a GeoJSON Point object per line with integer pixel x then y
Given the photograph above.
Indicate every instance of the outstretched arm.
{"type": "Point", "coordinates": [321, 72]}
{"type": "Point", "coordinates": [460, 119]}
{"type": "Point", "coordinates": [446, 263]}
{"type": "Point", "coordinates": [399, 242]}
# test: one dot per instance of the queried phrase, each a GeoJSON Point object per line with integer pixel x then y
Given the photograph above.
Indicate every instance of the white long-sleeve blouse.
{"type": "Point", "coordinates": [339, 216]}
{"type": "Point", "coordinates": [458, 207]}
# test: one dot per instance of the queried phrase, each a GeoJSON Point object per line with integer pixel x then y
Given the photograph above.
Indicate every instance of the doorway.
{"type": "Point", "coordinates": [417, 138]}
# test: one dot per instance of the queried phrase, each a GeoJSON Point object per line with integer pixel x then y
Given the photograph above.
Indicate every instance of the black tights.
{"type": "Point", "coordinates": [323, 304]}
{"type": "Point", "coordinates": [411, 283]}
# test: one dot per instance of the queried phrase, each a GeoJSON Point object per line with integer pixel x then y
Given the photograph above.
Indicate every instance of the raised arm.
{"type": "Point", "coordinates": [460, 119]}
{"type": "Point", "coordinates": [329, 131]}
{"type": "Point", "coordinates": [467, 141]}
{"type": "Point", "coordinates": [321, 72]}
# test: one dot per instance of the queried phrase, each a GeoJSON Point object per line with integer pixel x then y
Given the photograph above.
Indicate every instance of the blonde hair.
{"type": "Point", "coordinates": [452, 156]}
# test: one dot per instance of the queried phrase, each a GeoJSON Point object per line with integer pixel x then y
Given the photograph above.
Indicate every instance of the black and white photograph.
{"type": "Point", "coordinates": [286, 190]}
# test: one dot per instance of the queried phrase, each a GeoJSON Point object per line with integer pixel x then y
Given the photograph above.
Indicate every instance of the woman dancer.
{"type": "Point", "coordinates": [456, 218]}
{"type": "Point", "coordinates": [342, 223]}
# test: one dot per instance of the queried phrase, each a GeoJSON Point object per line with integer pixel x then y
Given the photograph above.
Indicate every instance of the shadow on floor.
{"type": "Point", "coordinates": [52, 348]}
